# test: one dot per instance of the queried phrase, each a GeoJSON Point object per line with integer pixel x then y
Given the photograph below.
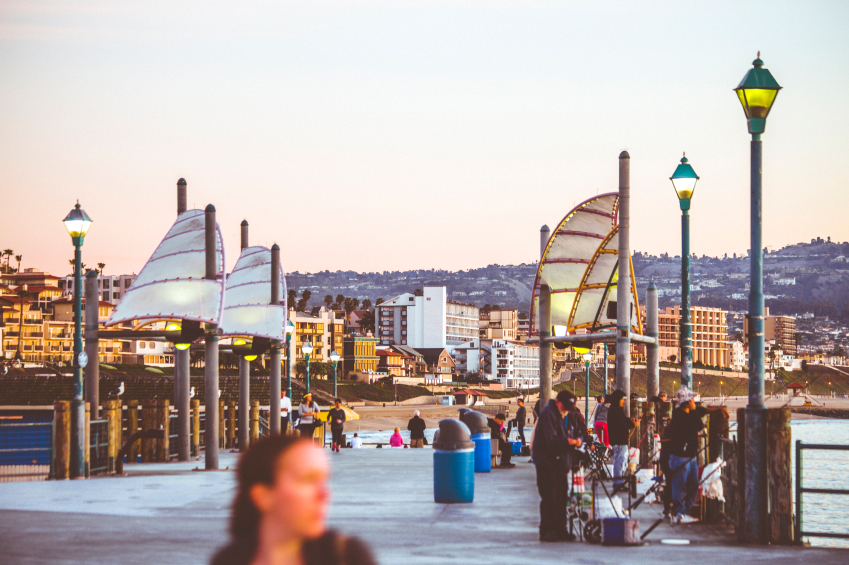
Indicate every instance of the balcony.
{"type": "Point", "coordinates": [34, 334]}
{"type": "Point", "coordinates": [39, 348]}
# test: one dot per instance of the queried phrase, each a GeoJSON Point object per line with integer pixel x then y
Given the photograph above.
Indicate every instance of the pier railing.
{"type": "Point", "coordinates": [800, 490]}
{"type": "Point", "coordinates": [26, 452]}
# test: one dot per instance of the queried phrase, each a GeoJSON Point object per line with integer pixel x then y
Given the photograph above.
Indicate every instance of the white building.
{"type": "Point", "coordinates": [417, 321]}
{"type": "Point", "coordinates": [511, 363]}
{"type": "Point", "coordinates": [738, 357]}
{"type": "Point", "coordinates": [110, 287]}
{"type": "Point", "coordinates": [462, 322]}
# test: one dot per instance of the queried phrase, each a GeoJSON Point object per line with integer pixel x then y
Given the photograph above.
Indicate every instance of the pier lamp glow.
{"type": "Point", "coordinates": [684, 181]}
{"type": "Point", "coordinates": [290, 330]}
{"type": "Point", "coordinates": [588, 357]}
{"type": "Point", "coordinates": [757, 92]}
{"type": "Point", "coordinates": [306, 349]}
{"type": "Point", "coordinates": [175, 327]}
{"type": "Point", "coordinates": [77, 223]}
{"type": "Point", "coordinates": [244, 342]}
{"type": "Point", "coordinates": [334, 358]}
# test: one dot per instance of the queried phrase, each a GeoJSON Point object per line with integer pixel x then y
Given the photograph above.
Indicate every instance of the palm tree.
{"type": "Point", "coordinates": [6, 253]}
{"type": "Point", "coordinates": [18, 259]}
{"type": "Point", "coordinates": [100, 267]}
{"type": "Point", "coordinates": [340, 299]}
{"type": "Point", "coordinates": [328, 300]}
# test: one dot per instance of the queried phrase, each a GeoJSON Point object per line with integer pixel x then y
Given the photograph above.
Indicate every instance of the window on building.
{"type": "Point", "coordinates": [142, 345]}
{"type": "Point", "coordinates": [127, 283]}
{"type": "Point", "coordinates": [106, 297]}
{"type": "Point", "coordinates": [116, 295]}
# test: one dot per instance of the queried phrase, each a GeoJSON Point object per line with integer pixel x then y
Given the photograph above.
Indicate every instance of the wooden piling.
{"type": "Point", "coordinates": [112, 413]}
{"type": "Point", "coordinates": [741, 474]}
{"type": "Point", "coordinates": [254, 421]}
{"type": "Point", "coordinates": [231, 424]}
{"type": "Point", "coordinates": [222, 431]}
{"type": "Point", "coordinates": [646, 423]}
{"type": "Point", "coordinates": [133, 427]}
{"type": "Point", "coordinates": [147, 424]}
{"type": "Point", "coordinates": [162, 417]}
{"type": "Point", "coordinates": [87, 439]}
{"type": "Point", "coordinates": [780, 475]}
{"type": "Point", "coordinates": [61, 439]}
{"type": "Point", "coordinates": [196, 427]}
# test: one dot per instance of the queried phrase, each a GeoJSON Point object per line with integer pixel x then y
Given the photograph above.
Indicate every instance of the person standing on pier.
{"type": "Point", "coordinates": [519, 421]}
{"type": "Point", "coordinates": [336, 417]}
{"type": "Point", "coordinates": [550, 449]}
{"type": "Point", "coordinates": [307, 411]}
{"type": "Point", "coordinates": [285, 410]}
{"type": "Point", "coordinates": [619, 428]}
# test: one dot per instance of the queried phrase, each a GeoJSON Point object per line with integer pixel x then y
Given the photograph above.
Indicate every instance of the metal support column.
{"type": "Point", "coordinates": [77, 404]}
{"type": "Point", "coordinates": [755, 527]}
{"type": "Point", "coordinates": [652, 349]}
{"type": "Point", "coordinates": [182, 364]}
{"type": "Point", "coordinates": [606, 378]}
{"type": "Point", "coordinates": [274, 406]}
{"type": "Point", "coordinates": [686, 332]}
{"type": "Point", "coordinates": [290, 345]}
{"type": "Point", "coordinates": [211, 352]}
{"type": "Point", "coordinates": [623, 286]}
{"type": "Point", "coordinates": [544, 329]}
{"type": "Point", "coordinates": [92, 344]}
{"type": "Point", "coordinates": [244, 375]}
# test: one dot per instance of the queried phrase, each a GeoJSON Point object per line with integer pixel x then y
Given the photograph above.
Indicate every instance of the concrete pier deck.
{"type": "Point", "coordinates": [169, 513]}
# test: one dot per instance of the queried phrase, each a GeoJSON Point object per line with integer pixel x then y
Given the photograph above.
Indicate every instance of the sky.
{"type": "Point", "coordinates": [392, 135]}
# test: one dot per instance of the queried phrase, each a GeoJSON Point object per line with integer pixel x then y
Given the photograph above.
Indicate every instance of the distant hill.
{"type": "Point", "coordinates": [805, 277]}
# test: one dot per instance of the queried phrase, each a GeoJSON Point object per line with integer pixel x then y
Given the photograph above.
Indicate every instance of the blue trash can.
{"type": "Point", "coordinates": [453, 463]}
{"type": "Point", "coordinates": [481, 436]}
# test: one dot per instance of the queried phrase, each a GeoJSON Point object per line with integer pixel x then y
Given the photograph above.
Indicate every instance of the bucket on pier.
{"type": "Point", "coordinates": [481, 435]}
{"type": "Point", "coordinates": [453, 463]}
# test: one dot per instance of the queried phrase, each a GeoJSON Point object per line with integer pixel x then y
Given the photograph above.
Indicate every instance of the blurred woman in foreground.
{"type": "Point", "coordinates": [281, 508]}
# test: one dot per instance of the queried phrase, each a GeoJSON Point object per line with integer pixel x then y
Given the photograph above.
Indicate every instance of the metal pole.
{"type": "Point", "coordinates": [77, 470]}
{"type": "Point", "coordinates": [244, 376]}
{"type": "Point", "coordinates": [274, 405]}
{"type": "Point", "coordinates": [92, 344]}
{"type": "Point", "coordinates": [587, 394]}
{"type": "Point", "coordinates": [182, 375]}
{"type": "Point", "coordinates": [544, 328]}
{"type": "Point", "coordinates": [308, 373]}
{"type": "Point", "coordinates": [652, 349]}
{"type": "Point", "coordinates": [686, 333]}
{"type": "Point", "coordinates": [289, 345]}
{"type": "Point", "coordinates": [623, 286]}
{"type": "Point", "coordinates": [211, 352]}
{"type": "Point", "coordinates": [755, 528]}
{"type": "Point", "coordinates": [606, 378]}
{"type": "Point", "coordinates": [334, 382]}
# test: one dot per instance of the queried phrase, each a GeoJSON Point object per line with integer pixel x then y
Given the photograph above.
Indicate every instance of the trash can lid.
{"type": "Point", "coordinates": [476, 421]}
{"type": "Point", "coordinates": [454, 435]}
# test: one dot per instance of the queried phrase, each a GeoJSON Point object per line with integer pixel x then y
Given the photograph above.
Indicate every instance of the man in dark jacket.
{"type": "Point", "coordinates": [337, 418]}
{"type": "Point", "coordinates": [550, 450]}
{"type": "Point", "coordinates": [519, 422]}
{"type": "Point", "coordinates": [619, 428]}
{"type": "Point", "coordinates": [417, 426]}
{"type": "Point", "coordinates": [496, 426]}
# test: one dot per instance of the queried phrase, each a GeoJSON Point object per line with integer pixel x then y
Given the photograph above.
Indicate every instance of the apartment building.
{"type": "Point", "coordinates": [499, 324]}
{"type": "Point", "coordinates": [110, 287]}
{"type": "Point", "coordinates": [322, 329]}
{"type": "Point", "coordinates": [417, 321]}
{"type": "Point", "coordinates": [462, 323]}
{"type": "Point", "coordinates": [780, 329]}
{"type": "Point", "coordinates": [359, 355]}
{"type": "Point", "coordinates": [738, 356]}
{"type": "Point", "coordinates": [513, 364]}
{"type": "Point", "coordinates": [710, 335]}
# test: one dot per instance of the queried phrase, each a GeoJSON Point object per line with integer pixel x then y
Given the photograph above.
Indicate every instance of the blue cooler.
{"type": "Point", "coordinates": [620, 531]}
{"type": "Point", "coordinates": [453, 463]}
{"type": "Point", "coordinates": [481, 436]}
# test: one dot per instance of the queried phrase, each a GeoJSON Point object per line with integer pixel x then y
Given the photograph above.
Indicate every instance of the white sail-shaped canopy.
{"type": "Point", "coordinates": [247, 307]}
{"type": "Point", "coordinates": [580, 264]}
{"type": "Point", "coordinates": [171, 285]}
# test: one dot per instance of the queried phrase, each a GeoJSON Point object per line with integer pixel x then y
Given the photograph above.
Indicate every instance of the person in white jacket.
{"type": "Point", "coordinates": [308, 410]}
{"type": "Point", "coordinates": [285, 410]}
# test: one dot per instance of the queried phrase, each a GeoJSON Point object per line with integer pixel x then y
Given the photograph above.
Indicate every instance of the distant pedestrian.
{"type": "Point", "coordinates": [396, 440]}
{"type": "Point", "coordinates": [285, 410]}
{"type": "Point", "coordinates": [600, 420]}
{"type": "Point", "coordinates": [521, 418]}
{"type": "Point", "coordinates": [550, 448]}
{"type": "Point", "coordinates": [536, 411]}
{"type": "Point", "coordinates": [417, 426]}
{"type": "Point", "coordinates": [356, 442]}
{"type": "Point", "coordinates": [661, 397]}
{"type": "Point", "coordinates": [336, 417]}
{"type": "Point", "coordinates": [497, 431]}
{"type": "Point", "coordinates": [308, 411]}
{"type": "Point", "coordinates": [280, 511]}
{"type": "Point", "coordinates": [619, 428]}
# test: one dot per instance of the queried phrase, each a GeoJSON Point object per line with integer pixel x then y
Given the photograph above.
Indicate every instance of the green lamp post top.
{"type": "Point", "coordinates": [684, 181]}
{"type": "Point", "coordinates": [757, 92]}
{"type": "Point", "coordinates": [77, 222]}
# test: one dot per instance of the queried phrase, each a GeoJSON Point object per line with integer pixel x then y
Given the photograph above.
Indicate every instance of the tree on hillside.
{"type": "Point", "coordinates": [328, 300]}
{"type": "Point", "coordinates": [487, 308]}
{"type": "Point", "coordinates": [418, 292]}
{"type": "Point", "coordinates": [292, 298]}
{"type": "Point", "coordinates": [340, 300]}
{"type": "Point", "coordinates": [379, 301]}
{"type": "Point", "coordinates": [366, 304]}
{"type": "Point", "coordinates": [306, 294]}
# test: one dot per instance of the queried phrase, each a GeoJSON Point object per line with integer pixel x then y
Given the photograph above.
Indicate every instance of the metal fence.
{"type": "Point", "coordinates": [98, 447]}
{"type": "Point", "coordinates": [800, 490]}
{"type": "Point", "coordinates": [26, 452]}
{"type": "Point", "coordinates": [728, 509]}
{"type": "Point", "coordinates": [173, 439]}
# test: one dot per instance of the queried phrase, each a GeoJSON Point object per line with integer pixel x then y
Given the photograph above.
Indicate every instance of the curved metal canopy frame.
{"type": "Point", "coordinates": [171, 285]}
{"type": "Point", "coordinates": [580, 264]}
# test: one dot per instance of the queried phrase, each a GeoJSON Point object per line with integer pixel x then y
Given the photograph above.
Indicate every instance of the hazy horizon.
{"type": "Point", "coordinates": [386, 136]}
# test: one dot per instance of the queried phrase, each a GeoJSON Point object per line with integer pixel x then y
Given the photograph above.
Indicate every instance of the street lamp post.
{"type": "Point", "coordinates": [306, 349]}
{"type": "Point", "coordinates": [290, 329]}
{"type": "Point", "coordinates": [587, 358]}
{"type": "Point", "coordinates": [684, 181]}
{"type": "Point", "coordinates": [77, 223]}
{"type": "Point", "coordinates": [334, 358]}
{"type": "Point", "coordinates": [757, 92]}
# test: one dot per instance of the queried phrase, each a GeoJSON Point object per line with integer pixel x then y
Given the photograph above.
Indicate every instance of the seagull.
{"type": "Point", "coordinates": [118, 391]}
{"type": "Point", "coordinates": [192, 393]}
